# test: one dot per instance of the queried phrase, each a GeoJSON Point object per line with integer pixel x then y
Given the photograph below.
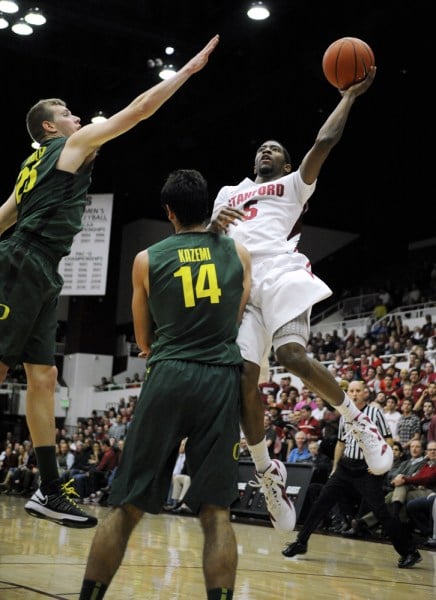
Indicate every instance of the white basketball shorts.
{"type": "Point", "coordinates": [283, 288]}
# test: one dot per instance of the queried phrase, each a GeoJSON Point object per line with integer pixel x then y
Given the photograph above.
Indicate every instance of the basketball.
{"type": "Point", "coordinates": [347, 61]}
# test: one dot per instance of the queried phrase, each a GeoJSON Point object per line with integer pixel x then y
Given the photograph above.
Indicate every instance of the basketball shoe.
{"type": "Point", "coordinates": [57, 505]}
{"type": "Point", "coordinates": [280, 508]}
{"type": "Point", "coordinates": [377, 452]}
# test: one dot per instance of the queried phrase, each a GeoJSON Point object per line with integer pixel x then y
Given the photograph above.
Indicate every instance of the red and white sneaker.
{"type": "Point", "coordinates": [377, 452]}
{"type": "Point", "coordinates": [280, 507]}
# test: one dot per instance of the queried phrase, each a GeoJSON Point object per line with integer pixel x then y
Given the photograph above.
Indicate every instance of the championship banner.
{"type": "Point", "coordinates": [84, 270]}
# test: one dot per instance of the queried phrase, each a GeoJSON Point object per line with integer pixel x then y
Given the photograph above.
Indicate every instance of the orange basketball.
{"type": "Point", "coordinates": [347, 61]}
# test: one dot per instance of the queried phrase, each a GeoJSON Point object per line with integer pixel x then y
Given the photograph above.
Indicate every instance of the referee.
{"type": "Point", "coordinates": [350, 473]}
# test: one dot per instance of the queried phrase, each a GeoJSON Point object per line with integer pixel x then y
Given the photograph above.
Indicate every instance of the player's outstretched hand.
{"type": "Point", "coordinates": [200, 60]}
{"type": "Point", "coordinates": [360, 88]}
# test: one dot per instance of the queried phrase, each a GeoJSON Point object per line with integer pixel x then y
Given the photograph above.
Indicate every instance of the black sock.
{"type": "Point", "coordinates": [92, 590]}
{"type": "Point", "coordinates": [47, 464]}
{"type": "Point", "coordinates": [216, 594]}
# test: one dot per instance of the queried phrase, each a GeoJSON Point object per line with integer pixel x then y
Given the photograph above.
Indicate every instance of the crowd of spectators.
{"type": "Point", "coordinates": [87, 457]}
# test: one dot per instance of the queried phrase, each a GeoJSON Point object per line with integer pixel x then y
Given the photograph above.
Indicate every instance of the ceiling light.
{"type": "Point", "coordinates": [7, 6]}
{"type": "Point", "coordinates": [169, 50]}
{"type": "Point", "coordinates": [167, 71]}
{"type": "Point", "coordinates": [99, 117]}
{"type": "Point", "coordinates": [4, 23]}
{"type": "Point", "coordinates": [258, 11]}
{"type": "Point", "coordinates": [22, 28]}
{"type": "Point", "coordinates": [35, 17]}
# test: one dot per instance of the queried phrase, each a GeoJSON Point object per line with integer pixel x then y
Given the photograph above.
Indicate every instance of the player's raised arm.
{"type": "Point", "coordinates": [331, 131]}
{"type": "Point", "coordinates": [88, 139]}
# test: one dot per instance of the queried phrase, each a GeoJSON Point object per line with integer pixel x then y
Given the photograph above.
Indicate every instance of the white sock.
{"type": "Point", "coordinates": [260, 455]}
{"type": "Point", "coordinates": [348, 409]}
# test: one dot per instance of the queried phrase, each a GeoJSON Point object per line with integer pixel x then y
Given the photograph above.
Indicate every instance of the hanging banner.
{"type": "Point", "coordinates": [84, 270]}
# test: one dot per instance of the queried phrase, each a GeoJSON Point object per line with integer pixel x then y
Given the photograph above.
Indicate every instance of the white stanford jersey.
{"type": "Point", "coordinates": [271, 211]}
{"type": "Point", "coordinates": [283, 286]}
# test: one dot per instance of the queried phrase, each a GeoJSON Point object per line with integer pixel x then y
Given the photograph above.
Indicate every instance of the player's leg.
{"type": "Point", "coordinates": [220, 554]}
{"type": "Point", "coordinates": [252, 341]}
{"type": "Point", "coordinates": [40, 400]}
{"type": "Point", "coordinates": [54, 500]}
{"type": "Point", "coordinates": [107, 550]}
{"type": "Point", "coordinates": [290, 342]}
{"type": "Point", "coordinates": [271, 474]}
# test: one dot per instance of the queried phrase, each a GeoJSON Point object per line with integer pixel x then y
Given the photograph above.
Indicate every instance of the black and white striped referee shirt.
{"type": "Point", "coordinates": [352, 449]}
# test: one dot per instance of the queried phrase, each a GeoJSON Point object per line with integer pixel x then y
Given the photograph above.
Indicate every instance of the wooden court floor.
{"type": "Point", "coordinates": [41, 560]}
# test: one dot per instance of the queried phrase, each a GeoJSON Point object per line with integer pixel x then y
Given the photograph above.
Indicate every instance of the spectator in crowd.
{"type": "Point", "coordinates": [431, 433]}
{"type": "Point", "coordinates": [409, 427]}
{"type": "Point", "coordinates": [301, 452]}
{"type": "Point", "coordinates": [398, 453]}
{"type": "Point", "coordinates": [65, 459]}
{"type": "Point", "coordinates": [269, 387]}
{"type": "Point", "coordinates": [428, 329]}
{"type": "Point", "coordinates": [321, 462]}
{"type": "Point", "coordinates": [329, 430]}
{"type": "Point", "coordinates": [417, 386]}
{"type": "Point", "coordinates": [285, 386]}
{"type": "Point", "coordinates": [334, 372]}
{"type": "Point", "coordinates": [29, 472]}
{"type": "Point", "coordinates": [370, 378]}
{"type": "Point", "coordinates": [8, 464]}
{"type": "Point", "coordinates": [96, 476]}
{"type": "Point", "coordinates": [286, 405]}
{"type": "Point", "coordinates": [103, 385]}
{"type": "Point", "coordinates": [180, 482]}
{"type": "Point", "coordinates": [118, 429]}
{"type": "Point", "coordinates": [422, 513]}
{"type": "Point", "coordinates": [320, 410]}
{"type": "Point", "coordinates": [308, 424]}
{"type": "Point", "coordinates": [306, 397]}
{"type": "Point", "coordinates": [394, 498]}
{"type": "Point", "coordinates": [179, 467]}
{"type": "Point", "coordinates": [276, 417]}
{"type": "Point", "coordinates": [387, 385]}
{"type": "Point", "coordinates": [270, 434]}
{"type": "Point", "coordinates": [392, 415]}
{"type": "Point", "coordinates": [429, 373]}
{"type": "Point", "coordinates": [405, 392]}
{"type": "Point", "coordinates": [379, 400]}
{"type": "Point", "coordinates": [82, 456]}
{"type": "Point", "coordinates": [428, 412]}
{"type": "Point", "coordinates": [403, 379]}
{"type": "Point", "coordinates": [99, 475]}
{"type": "Point", "coordinates": [270, 400]}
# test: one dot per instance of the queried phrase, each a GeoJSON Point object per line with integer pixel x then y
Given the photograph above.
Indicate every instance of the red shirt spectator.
{"type": "Point", "coordinates": [268, 387]}
{"type": "Point", "coordinates": [308, 424]}
{"type": "Point", "coordinates": [417, 386]}
{"type": "Point", "coordinates": [429, 373]}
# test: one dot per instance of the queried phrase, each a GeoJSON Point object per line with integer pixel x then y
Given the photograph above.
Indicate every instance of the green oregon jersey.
{"type": "Point", "coordinates": [51, 202]}
{"type": "Point", "coordinates": [196, 283]}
